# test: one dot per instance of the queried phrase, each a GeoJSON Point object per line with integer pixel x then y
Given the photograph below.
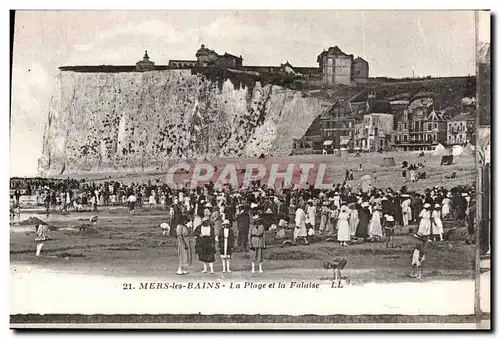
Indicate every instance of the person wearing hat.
{"type": "Point", "coordinates": [205, 244]}
{"type": "Point", "coordinates": [226, 244]}
{"type": "Point", "coordinates": [437, 224]}
{"type": "Point", "coordinates": [311, 214]}
{"type": "Point", "coordinates": [406, 209]}
{"type": "Point", "coordinates": [336, 200]}
{"type": "Point", "coordinates": [353, 219]}
{"type": "Point", "coordinates": [446, 205]}
{"type": "Point", "coordinates": [364, 215]}
{"type": "Point", "coordinates": [343, 231]}
{"type": "Point", "coordinates": [216, 219]}
{"type": "Point", "coordinates": [389, 225]}
{"type": "Point", "coordinates": [325, 213]}
{"type": "Point", "coordinates": [424, 228]}
{"type": "Point", "coordinates": [300, 231]}
{"type": "Point", "coordinates": [243, 220]}
{"type": "Point", "coordinates": [257, 242]}
{"type": "Point", "coordinates": [375, 227]}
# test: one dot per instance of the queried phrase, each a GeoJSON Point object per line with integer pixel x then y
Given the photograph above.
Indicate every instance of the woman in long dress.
{"type": "Point", "coordinates": [152, 199]}
{"type": "Point", "coordinates": [437, 224]}
{"type": "Point", "coordinates": [353, 220]}
{"type": "Point", "coordinates": [364, 216]}
{"type": "Point", "coordinates": [300, 231]}
{"type": "Point", "coordinates": [446, 208]}
{"type": "Point", "coordinates": [406, 209]}
{"type": "Point", "coordinates": [424, 227]}
{"type": "Point", "coordinates": [205, 244]}
{"type": "Point", "coordinates": [343, 233]}
{"type": "Point", "coordinates": [375, 229]}
{"type": "Point", "coordinates": [183, 247]}
{"type": "Point", "coordinates": [226, 245]}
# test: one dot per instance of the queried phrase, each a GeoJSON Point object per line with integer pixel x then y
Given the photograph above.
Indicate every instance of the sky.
{"type": "Point", "coordinates": [436, 43]}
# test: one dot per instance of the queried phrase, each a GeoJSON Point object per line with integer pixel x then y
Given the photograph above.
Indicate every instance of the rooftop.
{"type": "Point", "coordinates": [379, 106]}
{"type": "Point", "coordinates": [464, 117]}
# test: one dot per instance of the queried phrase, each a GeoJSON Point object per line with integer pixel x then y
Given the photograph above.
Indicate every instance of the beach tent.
{"type": "Point", "coordinates": [468, 149]}
{"type": "Point", "coordinates": [440, 150]}
{"type": "Point", "coordinates": [457, 150]}
{"type": "Point", "coordinates": [389, 162]}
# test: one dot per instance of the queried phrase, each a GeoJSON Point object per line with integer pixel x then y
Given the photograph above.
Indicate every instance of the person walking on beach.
{"type": "Point", "coordinates": [42, 235]}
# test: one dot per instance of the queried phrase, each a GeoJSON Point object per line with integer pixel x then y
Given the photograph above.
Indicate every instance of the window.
{"type": "Point", "coordinates": [434, 137]}
{"type": "Point", "coordinates": [381, 142]}
{"type": "Point", "coordinates": [435, 125]}
{"type": "Point", "coordinates": [405, 138]}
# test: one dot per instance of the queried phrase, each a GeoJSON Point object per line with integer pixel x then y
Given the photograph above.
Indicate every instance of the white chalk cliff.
{"type": "Point", "coordinates": [134, 121]}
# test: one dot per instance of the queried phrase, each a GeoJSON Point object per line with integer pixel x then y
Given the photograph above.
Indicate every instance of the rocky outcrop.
{"type": "Point", "coordinates": [142, 121]}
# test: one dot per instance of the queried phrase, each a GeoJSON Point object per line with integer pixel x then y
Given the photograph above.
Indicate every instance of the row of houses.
{"type": "Point", "coordinates": [366, 123]}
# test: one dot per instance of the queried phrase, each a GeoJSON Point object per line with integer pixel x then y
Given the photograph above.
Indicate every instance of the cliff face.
{"type": "Point", "coordinates": [120, 121]}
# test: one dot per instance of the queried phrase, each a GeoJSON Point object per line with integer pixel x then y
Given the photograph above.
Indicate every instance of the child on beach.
{"type": "Point", "coordinates": [42, 235]}
{"type": "Point", "coordinates": [418, 257]}
{"type": "Point", "coordinates": [337, 264]}
{"type": "Point", "coordinates": [389, 225]}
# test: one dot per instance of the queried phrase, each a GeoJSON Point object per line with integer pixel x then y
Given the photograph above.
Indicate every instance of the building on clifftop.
{"type": "Point", "coordinates": [145, 64]}
{"type": "Point", "coordinates": [339, 68]}
{"type": "Point", "coordinates": [209, 58]}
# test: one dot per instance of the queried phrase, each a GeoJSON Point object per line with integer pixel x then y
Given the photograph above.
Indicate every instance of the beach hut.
{"type": "Point", "coordinates": [388, 162]}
